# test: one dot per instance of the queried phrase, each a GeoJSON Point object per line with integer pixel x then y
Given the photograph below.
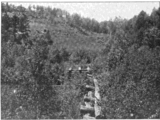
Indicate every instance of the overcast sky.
{"type": "Point", "coordinates": [101, 11]}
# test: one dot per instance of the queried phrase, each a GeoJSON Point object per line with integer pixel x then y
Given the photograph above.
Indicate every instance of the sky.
{"type": "Point", "coordinates": [100, 11]}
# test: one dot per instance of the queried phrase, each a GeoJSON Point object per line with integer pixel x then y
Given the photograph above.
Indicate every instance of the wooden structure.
{"type": "Point", "coordinates": [91, 108]}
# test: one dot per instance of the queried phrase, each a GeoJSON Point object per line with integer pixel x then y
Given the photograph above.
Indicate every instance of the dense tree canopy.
{"type": "Point", "coordinates": [35, 61]}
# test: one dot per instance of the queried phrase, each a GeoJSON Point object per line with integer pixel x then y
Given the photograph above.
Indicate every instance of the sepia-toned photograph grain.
{"type": "Point", "coordinates": [80, 60]}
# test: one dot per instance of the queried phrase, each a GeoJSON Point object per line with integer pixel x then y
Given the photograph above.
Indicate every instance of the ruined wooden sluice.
{"type": "Point", "coordinates": [91, 109]}
{"type": "Point", "coordinates": [90, 106]}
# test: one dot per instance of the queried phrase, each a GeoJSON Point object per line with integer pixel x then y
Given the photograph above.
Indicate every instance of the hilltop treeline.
{"type": "Point", "coordinates": [127, 66]}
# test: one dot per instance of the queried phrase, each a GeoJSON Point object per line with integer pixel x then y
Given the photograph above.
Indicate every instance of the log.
{"type": "Point", "coordinates": [88, 116]}
{"type": "Point", "coordinates": [88, 99]}
{"type": "Point", "coordinates": [86, 109]}
{"type": "Point", "coordinates": [90, 88]}
{"type": "Point", "coordinates": [98, 98]}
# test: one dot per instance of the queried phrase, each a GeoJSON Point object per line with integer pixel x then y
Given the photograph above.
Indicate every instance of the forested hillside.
{"type": "Point", "coordinates": [40, 44]}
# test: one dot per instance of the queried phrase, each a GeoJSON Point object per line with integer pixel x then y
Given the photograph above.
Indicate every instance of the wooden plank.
{"type": "Point", "coordinates": [98, 98]}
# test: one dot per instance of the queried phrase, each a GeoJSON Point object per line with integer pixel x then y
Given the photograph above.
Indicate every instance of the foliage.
{"type": "Point", "coordinates": [34, 76]}
{"type": "Point", "coordinates": [132, 90]}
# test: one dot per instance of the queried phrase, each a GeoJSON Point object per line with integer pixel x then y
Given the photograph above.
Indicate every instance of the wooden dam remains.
{"type": "Point", "coordinates": [90, 107]}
